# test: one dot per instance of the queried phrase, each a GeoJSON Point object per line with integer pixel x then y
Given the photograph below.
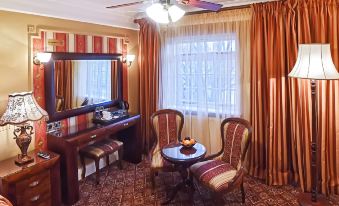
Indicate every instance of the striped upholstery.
{"type": "Point", "coordinates": [166, 127]}
{"type": "Point", "coordinates": [159, 162]}
{"type": "Point", "coordinates": [102, 148]}
{"type": "Point", "coordinates": [4, 201]}
{"type": "Point", "coordinates": [236, 136]}
{"type": "Point", "coordinates": [214, 174]}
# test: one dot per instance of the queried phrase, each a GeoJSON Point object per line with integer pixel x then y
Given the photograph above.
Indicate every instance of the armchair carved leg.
{"type": "Point", "coordinates": [218, 199]}
{"type": "Point", "coordinates": [242, 192]}
{"type": "Point", "coordinates": [153, 178]}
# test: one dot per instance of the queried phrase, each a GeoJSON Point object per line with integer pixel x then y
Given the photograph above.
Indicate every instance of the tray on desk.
{"type": "Point", "coordinates": [106, 122]}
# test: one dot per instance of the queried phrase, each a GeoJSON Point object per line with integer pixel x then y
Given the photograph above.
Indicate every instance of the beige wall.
{"type": "Point", "coordinates": [14, 62]}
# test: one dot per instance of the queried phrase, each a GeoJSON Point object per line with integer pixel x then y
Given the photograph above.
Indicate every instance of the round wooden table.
{"type": "Point", "coordinates": [182, 158]}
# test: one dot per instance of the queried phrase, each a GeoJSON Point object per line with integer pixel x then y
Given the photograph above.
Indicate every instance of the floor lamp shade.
{"type": "Point", "coordinates": [314, 62]}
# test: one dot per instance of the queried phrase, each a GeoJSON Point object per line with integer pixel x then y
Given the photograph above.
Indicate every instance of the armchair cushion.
{"type": "Point", "coordinates": [159, 162]}
{"type": "Point", "coordinates": [167, 126]}
{"type": "Point", "coordinates": [214, 174]}
{"type": "Point", "coordinates": [4, 201]}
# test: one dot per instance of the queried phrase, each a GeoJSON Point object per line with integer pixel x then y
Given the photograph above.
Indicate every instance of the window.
{"type": "Point", "coordinates": [201, 72]}
{"type": "Point", "coordinates": [92, 81]}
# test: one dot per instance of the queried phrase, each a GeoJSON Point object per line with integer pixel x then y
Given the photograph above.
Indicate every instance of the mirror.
{"type": "Point", "coordinates": [77, 83]}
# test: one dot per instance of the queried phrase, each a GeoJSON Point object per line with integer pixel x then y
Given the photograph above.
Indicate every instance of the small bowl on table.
{"type": "Point", "coordinates": [188, 142]}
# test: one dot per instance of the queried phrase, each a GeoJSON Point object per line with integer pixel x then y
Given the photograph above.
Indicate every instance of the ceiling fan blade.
{"type": "Point", "coordinates": [123, 5]}
{"type": "Point", "coordinates": [203, 4]}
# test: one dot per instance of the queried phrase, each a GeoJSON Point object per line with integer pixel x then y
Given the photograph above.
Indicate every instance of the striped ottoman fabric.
{"type": "Point", "coordinates": [214, 174]}
{"type": "Point", "coordinates": [101, 148]}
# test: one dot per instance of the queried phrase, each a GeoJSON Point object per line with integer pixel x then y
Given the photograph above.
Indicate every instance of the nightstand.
{"type": "Point", "coordinates": [36, 183]}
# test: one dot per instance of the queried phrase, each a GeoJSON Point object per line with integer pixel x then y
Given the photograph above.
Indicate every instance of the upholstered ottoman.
{"type": "Point", "coordinates": [99, 150]}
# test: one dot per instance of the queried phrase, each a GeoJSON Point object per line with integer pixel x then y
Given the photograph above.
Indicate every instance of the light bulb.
{"type": "Point", "coordinates": [175, 13]}
{"type": "Point", "coordinates": [158, 13]}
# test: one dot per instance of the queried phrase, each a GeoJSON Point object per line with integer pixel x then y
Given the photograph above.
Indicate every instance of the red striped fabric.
{"type": "Point", "coordinates": [212, 169]}
{"type": "Point", "coordinates": [62, 37]}
{"type": "Point", "coordinates": [233, 137]}
{"type": "Point", "coordinates": [97, 44]}
{"type": "Point", "coordinates": [168, 131]}
{"type": "Point", "coordinates": [39, 93]}
{"type": "Point", "coordinates": [80, 43]}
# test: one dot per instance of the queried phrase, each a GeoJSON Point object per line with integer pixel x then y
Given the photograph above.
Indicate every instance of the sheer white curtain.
{"type": "Point", "coordinates": [205, 71]}
{"type": "Point", "coordinates": [92, 80]}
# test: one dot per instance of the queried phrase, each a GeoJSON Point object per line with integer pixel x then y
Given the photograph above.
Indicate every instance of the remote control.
{"type": "Point", "coordinates": [44, 155]}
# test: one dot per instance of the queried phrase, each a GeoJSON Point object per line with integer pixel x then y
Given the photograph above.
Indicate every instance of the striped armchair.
{"type": "Point", "coordinates": [224, 171]}
{"type": "Point", "coordinates": [167, 125]}
{"type": "Point", "coordinates": [4, 201]}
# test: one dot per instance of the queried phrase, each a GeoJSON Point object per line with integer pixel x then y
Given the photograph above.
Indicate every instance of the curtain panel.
{"type": "Point", "coordinates": [205, 71]}
{"type": "Point", "coordinates": [149, 57]}
{"type": "Point", "coordinates": [281, 106]}
{"type": "Point", "coordinates": [64, 82]}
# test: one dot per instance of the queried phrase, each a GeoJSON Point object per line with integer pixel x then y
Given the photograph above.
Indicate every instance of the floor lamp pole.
{"type": "Point", "coordinates": [304, 198]}
{"type": "Point", "coordinates": [314, 143]}
{"type": "Point", "coordinates": [314, 62]}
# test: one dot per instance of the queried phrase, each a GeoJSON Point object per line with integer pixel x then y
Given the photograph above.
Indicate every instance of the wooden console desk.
{"type": "Point", "coordinates": [68, 141]}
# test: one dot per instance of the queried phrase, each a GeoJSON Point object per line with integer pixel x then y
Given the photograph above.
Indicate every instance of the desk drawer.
{"type": "Point", "coordinates": [91, 136]}
{"type": "Point", "coordinates": [35, 190]}
{"type": "Point", "coordinates": [122, 125]}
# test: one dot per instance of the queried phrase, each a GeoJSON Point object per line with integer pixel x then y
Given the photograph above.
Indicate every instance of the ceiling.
{"type": "Point", "coordinates": [94, 11]}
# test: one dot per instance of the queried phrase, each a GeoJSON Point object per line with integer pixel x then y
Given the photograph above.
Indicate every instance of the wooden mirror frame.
{"type": "Point", "coordinates": [50, 86]}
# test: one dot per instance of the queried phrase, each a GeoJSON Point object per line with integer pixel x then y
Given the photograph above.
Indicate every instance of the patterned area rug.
{"type": "Point", "coordinates": [132, 186]}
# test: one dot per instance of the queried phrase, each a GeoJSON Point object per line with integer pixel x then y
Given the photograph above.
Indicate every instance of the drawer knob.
{"type": "Point", "coordinates": [125, 124]}
{"type": "Point", "coordinates": [33, 184]}
{"type": "Point", "coordinates": [35, 198]}
{"type": "Point", "coordinates": [93, 136]}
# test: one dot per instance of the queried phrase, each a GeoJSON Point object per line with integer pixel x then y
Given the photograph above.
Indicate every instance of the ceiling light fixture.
{"type": "Point", "coordinates": [164, 13]}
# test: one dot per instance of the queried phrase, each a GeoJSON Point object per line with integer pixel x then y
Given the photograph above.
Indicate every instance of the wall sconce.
{"type": "Point", "coordinates": [40, 58]}
{"type": "Point", "coordinates": [129, 59]}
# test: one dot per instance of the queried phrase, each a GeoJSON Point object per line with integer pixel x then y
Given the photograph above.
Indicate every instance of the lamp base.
{"type": "Point", "coordinates": [305, 199]}
{"type": "Point", "coordinates": [23, 159]}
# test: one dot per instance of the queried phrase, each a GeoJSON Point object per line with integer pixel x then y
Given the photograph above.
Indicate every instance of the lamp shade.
{"type": "Point", "coordinates": [314, 62]}
{"type": "Point", "coordinates": [22, 107]}
{"type": "Point", "coordinates": [130, 57]}
{"type": "Point", "coordinates": [43, 57]}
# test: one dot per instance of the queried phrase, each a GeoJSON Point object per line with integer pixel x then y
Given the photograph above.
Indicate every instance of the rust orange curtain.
{"type": "Point", "coordinates": [64, 81]}
{"type": "Point", "coordinates": [149, 57]}
{"type": "Point", "coordinates": [281, 107]}
{"type": "Point", "coordinates": [114, 80]}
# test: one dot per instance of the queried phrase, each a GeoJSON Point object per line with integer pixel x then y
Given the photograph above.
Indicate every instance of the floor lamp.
{"type": "Point", "coordinates": [315, 63]}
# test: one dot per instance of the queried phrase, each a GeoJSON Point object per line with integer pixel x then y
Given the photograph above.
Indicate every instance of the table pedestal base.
{"type": "Point", "coordinates": [182, 158]}
{"type": "Point", "coordinates": [182, 185]}
{"type": "Point", "coordinates": [186, 183]}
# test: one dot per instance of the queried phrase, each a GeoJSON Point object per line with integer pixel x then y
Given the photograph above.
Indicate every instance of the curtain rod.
{"type": "Point", "coordinates": [222, 9]}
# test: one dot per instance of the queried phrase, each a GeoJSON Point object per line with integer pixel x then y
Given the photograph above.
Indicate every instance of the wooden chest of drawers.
{"type": "Point", "coordinates": [35, 184]}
